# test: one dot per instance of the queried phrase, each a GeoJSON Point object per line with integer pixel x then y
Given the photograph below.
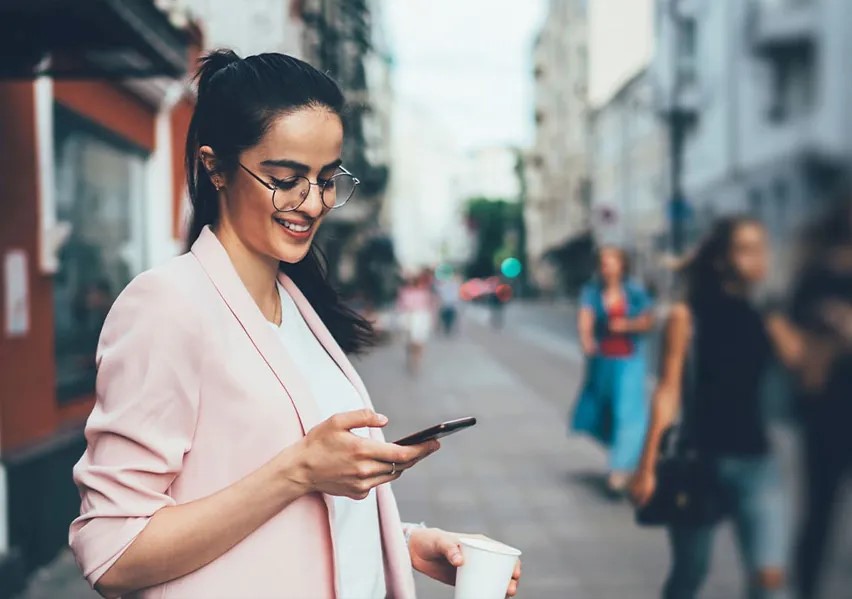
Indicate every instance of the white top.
{"type": "Point", "coordinates": [358, 544]}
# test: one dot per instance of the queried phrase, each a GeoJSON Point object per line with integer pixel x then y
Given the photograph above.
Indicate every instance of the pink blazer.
{"type": "Point", "coordinates": [194, 391]}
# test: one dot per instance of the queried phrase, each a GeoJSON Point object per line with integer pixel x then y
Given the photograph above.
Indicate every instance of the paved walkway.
{"type": "Point", "coordinates": [515, 476]}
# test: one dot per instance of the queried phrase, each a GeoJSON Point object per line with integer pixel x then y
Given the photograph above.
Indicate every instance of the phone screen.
{"type": "Point", "coordinates": [437, 431]}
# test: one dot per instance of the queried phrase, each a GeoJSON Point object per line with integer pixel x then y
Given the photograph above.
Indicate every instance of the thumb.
{"type": "Point", "coordinates": [360, 419]}
{"type": "Point", "coordinates": [448, 547]}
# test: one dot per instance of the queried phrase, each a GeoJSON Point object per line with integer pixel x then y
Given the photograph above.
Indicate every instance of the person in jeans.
{"type": "Point", "coordinates": [612, 407]}
{"type": "Point", "coordinates": [732, 348]}
{"type": "Point", "coordinates": [822, 312]}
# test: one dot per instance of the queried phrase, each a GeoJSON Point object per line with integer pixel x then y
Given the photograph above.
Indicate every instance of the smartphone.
{"type": "Point", "coordinates": [437, 431]}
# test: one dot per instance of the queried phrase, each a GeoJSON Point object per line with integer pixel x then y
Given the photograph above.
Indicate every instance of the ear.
{"type": "Point", "coordinates": [211, 165]}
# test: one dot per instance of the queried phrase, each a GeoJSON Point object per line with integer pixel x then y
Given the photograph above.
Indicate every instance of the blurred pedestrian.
{"type": "Point", "coordinates": [449, 290]}
{"type": "Point", "coordinates": [822, 314]}
{"type": "Point", "coordinates": [614, 315]}
{"type": "Point", "coordinates": [498, 298]}
{"type": "Point", "coordinates": [416, 306]}
{"type": "Point", "coordinates": [719, 336]}
{"type": "Point", "coordinates": [232, 450]}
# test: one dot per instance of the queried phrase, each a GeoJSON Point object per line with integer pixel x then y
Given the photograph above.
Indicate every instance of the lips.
{"type": "Point", "coordinates": [297, 228]}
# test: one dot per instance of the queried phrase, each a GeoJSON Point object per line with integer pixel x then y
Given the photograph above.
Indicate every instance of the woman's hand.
{"type": "Point", "coordinates": [642, 487]}
{"type": "Point", "coordinates": [335, 461]}
{"type": "Point", "coordinates": [437, 554]}
{"type": "Point", "coordinates": [590, 348]}
{"type": "Point", "coordinates": [619, 325]}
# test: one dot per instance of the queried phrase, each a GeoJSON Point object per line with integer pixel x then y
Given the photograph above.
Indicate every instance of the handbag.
{"type": "Point", "coordinates": [687, 491]}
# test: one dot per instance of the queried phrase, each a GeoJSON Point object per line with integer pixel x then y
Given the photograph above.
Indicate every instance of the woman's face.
{"type": "Point", "coordinates": [308, 143]}
{"type": "Point", "coordinates": [611, 264]}
{"type": "Point", "coordinates": [750, 253]}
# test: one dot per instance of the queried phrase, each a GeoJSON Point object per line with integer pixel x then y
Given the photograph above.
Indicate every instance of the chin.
{"type": "Point", "coordinates": [292, 254]}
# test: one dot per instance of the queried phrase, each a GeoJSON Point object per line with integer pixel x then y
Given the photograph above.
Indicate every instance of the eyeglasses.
{"type": "Point", "coordinates": [289, 194]}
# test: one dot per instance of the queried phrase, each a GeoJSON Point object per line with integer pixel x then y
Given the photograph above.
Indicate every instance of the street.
{"type": "Point", "coordinates": [515, 476]}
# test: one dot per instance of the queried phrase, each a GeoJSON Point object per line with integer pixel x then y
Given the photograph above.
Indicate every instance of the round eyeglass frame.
{"type": "Point", "coordinates": [322, 186]}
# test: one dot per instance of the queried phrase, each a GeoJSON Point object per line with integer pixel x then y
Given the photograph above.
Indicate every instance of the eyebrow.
{"type": "Point", "coordinates": [298, 166]}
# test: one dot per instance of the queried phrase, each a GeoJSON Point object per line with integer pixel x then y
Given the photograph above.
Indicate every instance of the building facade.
{"type": "Point", "coordinates": [556, 168]}
{"type": "Point", "coordinates": [765, 85]}
{"type": "Point", "coordinates": [248, 27]}
{"type": "Point", "coordinates": [629, 175]}
{"type": "Point", "coordinates": [92, 189]}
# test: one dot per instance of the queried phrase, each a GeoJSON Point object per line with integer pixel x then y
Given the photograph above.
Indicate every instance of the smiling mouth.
{"type": "Point", "coordinates": [295, 227]}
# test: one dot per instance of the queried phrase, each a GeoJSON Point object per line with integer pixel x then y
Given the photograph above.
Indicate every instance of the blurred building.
{"type": "Point", "coordinates": [346, 39]}
{"type": "Point", "coordinates": [628, 171]}
{"type": "Point", "coordinates": [556, 168]}
{"type": "Point", "coordinates": [94, 108]}
{"type": "Point", "coordinates": [490, 172]}
{"type": "Point", "coordinates": [425, 207]}
{"type": "Point", "coordinates": [248, 27]}
{"type": "Point", "coordinates": [766, 89]}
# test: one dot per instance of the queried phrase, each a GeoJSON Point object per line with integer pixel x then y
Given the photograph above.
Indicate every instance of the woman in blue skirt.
{"type": "Point", "coordinates": [613, 317]}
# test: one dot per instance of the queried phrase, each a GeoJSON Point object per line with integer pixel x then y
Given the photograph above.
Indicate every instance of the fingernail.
{"type": "Point", "coordinates": [382, 418]}
{"type": "Point", "coordinates": [456, 559]}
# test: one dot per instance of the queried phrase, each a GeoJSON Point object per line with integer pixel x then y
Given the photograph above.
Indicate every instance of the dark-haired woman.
{"type": "Point", "coordinates": [732, 348]}
{"type": "Point", "coordinates": [613, 317]}
{"type": "Point", "coordinates": [233, 450]}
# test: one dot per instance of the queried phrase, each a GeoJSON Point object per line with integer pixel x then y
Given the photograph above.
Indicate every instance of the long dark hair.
{"type": "Point", "coordinates": [238, 99]}
{"type": "Point", "coordinates": [708, 268]}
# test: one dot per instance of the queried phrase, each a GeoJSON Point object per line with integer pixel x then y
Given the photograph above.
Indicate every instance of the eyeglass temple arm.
{"type": "Point", "coordinates": [268, 186]}
{"type": "Point", "coordinates": [346, 171]}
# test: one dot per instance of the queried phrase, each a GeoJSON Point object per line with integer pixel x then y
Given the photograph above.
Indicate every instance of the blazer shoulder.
{"type": "Point", "coordinates": [171, 289]}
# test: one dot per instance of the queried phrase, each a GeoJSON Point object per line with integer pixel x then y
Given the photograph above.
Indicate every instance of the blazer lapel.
{"type": "Point", "coordinates": [218, 266]}
{"type": "Point", "coordinates": [331, 346]}
{"type": "Point", "coordinates": [398, 572]}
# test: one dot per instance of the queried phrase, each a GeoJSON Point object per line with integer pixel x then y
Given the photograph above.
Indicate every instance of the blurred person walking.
{"type": "Point", "coordinates": [718, 334]}
{"type": "Point", "coordinates": [613, 318]}
{"type": "Point", "coordinates": [822, 314]}
{"type": "Point", "coordinates": [233, 450]}
{"type": "Point", "coordinates": [449, 296]}
{"type": "Point", "coordinates": [416, 306]}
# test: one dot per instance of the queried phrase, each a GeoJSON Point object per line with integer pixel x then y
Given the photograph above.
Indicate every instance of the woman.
{"type": "Point", "coordinates": [614, 314]}
{"type": "Point", "coordinates": [822, 312]}
{"type": "Point", "coordinates": [233, 450]}
{"type": "Point", "coordinates": [416, 304]}
{"type": "Point", "coordinates": [731, 349]}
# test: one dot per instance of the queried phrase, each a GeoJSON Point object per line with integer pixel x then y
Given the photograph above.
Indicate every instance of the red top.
{"type": "Point", "coordinates": [616, 345]}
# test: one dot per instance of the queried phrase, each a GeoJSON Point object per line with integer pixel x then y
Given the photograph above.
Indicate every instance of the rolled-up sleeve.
{"type": "Point", "coordinates": [143, 422]}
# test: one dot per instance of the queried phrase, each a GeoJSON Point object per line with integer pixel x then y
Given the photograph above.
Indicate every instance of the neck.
{"type": "Point", "coordinates": [258, 273]}
{"type": "Point", "coordinates": [612, 284]}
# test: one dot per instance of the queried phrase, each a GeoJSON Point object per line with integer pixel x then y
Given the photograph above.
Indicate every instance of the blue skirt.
{"type": "Point", "coordinates": [613, 409]}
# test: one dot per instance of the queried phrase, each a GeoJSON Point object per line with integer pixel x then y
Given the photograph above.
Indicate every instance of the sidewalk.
{"type": "Point", "coordinates": [515, 476]}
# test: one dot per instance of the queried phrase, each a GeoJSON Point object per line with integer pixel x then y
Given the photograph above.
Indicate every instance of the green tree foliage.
{"type": "Point", "coordinates": [498, 227]}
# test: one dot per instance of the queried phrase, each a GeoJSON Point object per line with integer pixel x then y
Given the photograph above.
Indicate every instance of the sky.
{"type": "Point", "coordinates": [468, 63]}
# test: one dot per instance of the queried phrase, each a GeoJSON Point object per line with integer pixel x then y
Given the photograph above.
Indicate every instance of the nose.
{"type": "Point", "coordinates": [313, 205]}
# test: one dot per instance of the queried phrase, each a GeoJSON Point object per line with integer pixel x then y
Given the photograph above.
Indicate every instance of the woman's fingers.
{"type": "Point", "coordinates": [449, 547]}
{"type": "Point", "coordinates": [389, 452]}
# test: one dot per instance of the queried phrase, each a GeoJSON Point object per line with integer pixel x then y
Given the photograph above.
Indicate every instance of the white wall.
{"type": "Point", "coordinates": [248, 26]}
{"type": "Point", "coordinates": [423, 191]}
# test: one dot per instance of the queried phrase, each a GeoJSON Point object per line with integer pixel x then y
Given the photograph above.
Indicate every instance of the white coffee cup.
{"type": "Point", "coordinates": [487, 569]}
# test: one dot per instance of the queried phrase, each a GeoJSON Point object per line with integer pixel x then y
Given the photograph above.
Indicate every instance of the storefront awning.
{"type": "Point", "coordinates": [89, 38]}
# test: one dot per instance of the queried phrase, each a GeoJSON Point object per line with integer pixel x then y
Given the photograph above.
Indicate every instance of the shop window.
{"type": "Point", "coordinates": [100, 180]}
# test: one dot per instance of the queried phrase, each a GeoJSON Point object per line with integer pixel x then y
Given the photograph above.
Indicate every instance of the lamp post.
{"type": "Point", "coordinates": [677, 126]}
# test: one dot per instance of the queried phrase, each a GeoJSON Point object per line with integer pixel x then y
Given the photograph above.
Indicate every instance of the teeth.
{"type": "Point", "coordinates": [294, 227]}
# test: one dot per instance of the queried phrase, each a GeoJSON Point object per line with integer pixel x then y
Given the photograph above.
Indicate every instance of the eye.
{"type": "Point", "coordinates": [286, 184]}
